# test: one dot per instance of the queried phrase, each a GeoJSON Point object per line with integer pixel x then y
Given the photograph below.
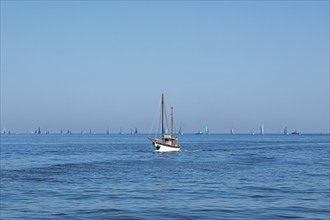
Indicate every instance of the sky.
{"type": "Point", "coordinates": [84, 65]}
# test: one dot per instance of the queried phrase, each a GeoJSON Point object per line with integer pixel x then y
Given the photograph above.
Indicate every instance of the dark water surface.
{"type": "Point", "coordinates": [118, 177]}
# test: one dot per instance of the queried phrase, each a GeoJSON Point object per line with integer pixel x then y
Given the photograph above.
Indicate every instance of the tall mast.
{"type": "Point", "coordinates": [162, 115]}
{"type": "Point", "coordinates": [172, 124]}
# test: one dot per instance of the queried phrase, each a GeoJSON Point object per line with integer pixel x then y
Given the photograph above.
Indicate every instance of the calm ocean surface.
{"type": "Point", "coordinates": [118, 177]}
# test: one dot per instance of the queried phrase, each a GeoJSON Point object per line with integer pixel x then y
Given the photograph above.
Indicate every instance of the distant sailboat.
{"type": "Point", "coordinates": [232, 131]}
{"type": "Point", "coordinates": [285, 131]}
{"type": "Point", "coordinates": [135, 131]}
{"type": "Point", "coordinates": [252, 131]}
{"type": "Point", "coordinates": [167, 143]}
{"type": "Point", "coordinates": [180, 132]}
{"type": "Point", "coordinates": [107, 131]}
{"type": "Point", "coordinates": [262, 129]}
{"type": "Point", "coordinates": [206, 130]}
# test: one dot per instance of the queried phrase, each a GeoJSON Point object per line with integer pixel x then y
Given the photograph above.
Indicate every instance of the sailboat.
{"type": "Point", "coordinates": [180, 132]}
{"type": "Point", "coordinates": [262, 129]}
{"type": "Point", "coordinates": [206, 130]}
{"type": "Point", "coordinates": [232, 131]}
{"type": "Point", "coordinates": [167, 143]}
{"type": "Point", "coordinates": [285, 131]}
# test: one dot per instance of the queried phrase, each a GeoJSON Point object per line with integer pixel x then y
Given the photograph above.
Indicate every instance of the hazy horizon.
{"type": "Point", "coordinates": [83, 65]}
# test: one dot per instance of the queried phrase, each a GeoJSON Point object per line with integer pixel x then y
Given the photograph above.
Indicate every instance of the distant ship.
{"type": "Point", "coordinates": [206, 131]}
{"type": "Point", "coordinates": [167, 143]}
{"type": "Point", "coordinates": [295, 133]}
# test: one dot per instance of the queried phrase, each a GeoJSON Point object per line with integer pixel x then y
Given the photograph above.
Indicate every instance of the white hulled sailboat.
{"type": "Point", "coordinates": [167, 143]}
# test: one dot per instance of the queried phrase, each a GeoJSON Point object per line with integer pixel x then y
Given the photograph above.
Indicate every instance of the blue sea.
{"type": "Point", "coordinates": [119, 177]}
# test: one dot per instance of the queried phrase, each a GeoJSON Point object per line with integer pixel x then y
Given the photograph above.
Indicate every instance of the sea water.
{"type": "Point", "coordinates": [119, 177]}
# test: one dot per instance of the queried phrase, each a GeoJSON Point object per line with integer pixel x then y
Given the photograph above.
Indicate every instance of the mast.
{"type": "Point", "coordinates": [162, 115]}
{"type": "Point", "coordinates": [172, 122]}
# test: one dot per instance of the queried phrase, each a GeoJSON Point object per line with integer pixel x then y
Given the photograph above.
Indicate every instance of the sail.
{"type": "Point", "coordinates": [206, 130]}
{"type": "Point", "coordinates": [262, 129]}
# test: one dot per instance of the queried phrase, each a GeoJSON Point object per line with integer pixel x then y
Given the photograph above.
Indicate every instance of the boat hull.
{"type": "Point", "coordinates": [161, 147]}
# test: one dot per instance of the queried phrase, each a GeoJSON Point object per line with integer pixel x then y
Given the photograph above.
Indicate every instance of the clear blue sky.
{"type": "Point", "coordinates": [86, 64]}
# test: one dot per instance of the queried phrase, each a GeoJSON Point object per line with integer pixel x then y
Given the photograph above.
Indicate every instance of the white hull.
{"type": "Point", "coordinates": [162, 148]}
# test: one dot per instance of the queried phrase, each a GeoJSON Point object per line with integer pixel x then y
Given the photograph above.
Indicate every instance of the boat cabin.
{"type": "Point", "coordinates": [168, 139]}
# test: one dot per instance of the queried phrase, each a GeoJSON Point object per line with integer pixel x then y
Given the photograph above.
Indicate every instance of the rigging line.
{"type": "Point", "coordinates": [174, 129]}
{"type": "Point", "coordinates": [155, 118]}
{"type": "Point", "coordinates": [173, 125]}
{"type": "Point", "coordinates": [166, 120]}
{"type": "Point", "coordinates": [159, 125]}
